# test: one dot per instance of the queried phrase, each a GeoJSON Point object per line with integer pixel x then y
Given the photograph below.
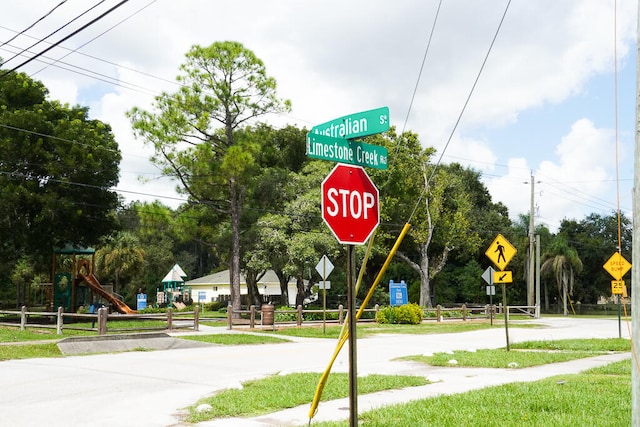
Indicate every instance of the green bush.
{"type": "Point", "coordinates": [285, 314]}
{"type": "Point", "coordinates": [404, 314]}
{"type": "Point", "coordinates": [212, 306]}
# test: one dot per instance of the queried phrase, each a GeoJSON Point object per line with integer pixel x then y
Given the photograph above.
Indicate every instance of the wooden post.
{"type": "Point", "coordinates": [59, 320]}
{"type": "Point", "coordinates": [299, 319]}
{"type": "Point", "coordinates": [196, 318]}
{"type": "Point", "coordinates": [340, 314]}
{"type": "Point", "coordinates": [170, 318]}
{"type": "Point", "coordinates": [438, 307]}
{"type": "Point", "coordinates": [229, 316]}
{"type": "Point", "coordinates": [252, 316]}
{"type": "Point", "coordinates": [103, 314]}
{"type": "Point", "coordinates": [23, 318]}
{"type": "Point", "coordinates": [464, 312]}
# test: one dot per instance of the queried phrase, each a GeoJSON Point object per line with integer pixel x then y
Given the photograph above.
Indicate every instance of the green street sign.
{"type": "Point", "coordinates": [346, 151]}
{"type": "Point", "coordinates": [355, 125]}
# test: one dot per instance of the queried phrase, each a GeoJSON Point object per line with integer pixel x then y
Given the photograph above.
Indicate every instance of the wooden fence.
{"type": "Point", "coordinates": [100, 322]}
{"type": "Point", "coordinates": [268, 316]}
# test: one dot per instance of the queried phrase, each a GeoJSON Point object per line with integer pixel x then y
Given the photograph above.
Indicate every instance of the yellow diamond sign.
{"type": "Point", "coordinates": [617, 266]}
{"type": "Point", "coordinates": [500, 252]}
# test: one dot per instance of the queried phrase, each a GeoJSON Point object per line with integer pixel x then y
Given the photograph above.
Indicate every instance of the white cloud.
{"type": "Point", "coordinates": [332, 58]}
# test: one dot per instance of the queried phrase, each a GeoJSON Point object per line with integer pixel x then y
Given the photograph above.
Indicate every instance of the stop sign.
{"type": "Point", "coordinates": [350, 204]}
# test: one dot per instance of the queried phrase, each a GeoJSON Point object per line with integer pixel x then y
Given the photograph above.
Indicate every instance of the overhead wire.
{"type": "Point", "coordinates": [93, 21]}
{"type": "Point", "coordinates": [96, 37]}
{"type": "Point", "coordinates": [40, 40]}
{"type": "Point", "coordinates": [34, 23]}
{"type": "Point", "coordinates": [464, 107]}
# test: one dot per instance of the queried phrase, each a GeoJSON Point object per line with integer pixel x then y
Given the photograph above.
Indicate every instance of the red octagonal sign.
{"type": "Point", "coordinates": [350, 204]}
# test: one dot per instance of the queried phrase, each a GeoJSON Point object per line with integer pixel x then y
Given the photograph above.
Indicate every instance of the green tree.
{"type": "Point", "coordinates": [561, 262]}
{"type": "Point", "coordinates": [596, 238]}
{"type": "Point", "coordinates": [119, 257]}
{"type": "Point", "coordinates": [194, 132]}
{"type": "Point", "coordinates": [57, 168]}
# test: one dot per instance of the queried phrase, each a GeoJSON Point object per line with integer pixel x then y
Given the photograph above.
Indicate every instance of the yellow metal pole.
{"type": "Point", "coordinates": [344, 334]}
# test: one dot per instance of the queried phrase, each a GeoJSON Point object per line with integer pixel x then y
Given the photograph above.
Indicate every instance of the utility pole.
{"type": "Point", "coordinates": [635, 272]}
{"type": "Point", "coordinates": [532, 238]}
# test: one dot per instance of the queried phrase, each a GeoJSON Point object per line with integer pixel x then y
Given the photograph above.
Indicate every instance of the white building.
{"type": "Point", "coordinates": [216, 287]}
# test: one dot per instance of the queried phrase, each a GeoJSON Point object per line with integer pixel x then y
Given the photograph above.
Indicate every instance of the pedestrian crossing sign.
{"type": "Point", "coordinates": [500, 252]}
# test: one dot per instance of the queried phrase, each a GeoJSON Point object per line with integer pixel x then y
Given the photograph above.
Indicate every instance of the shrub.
{"type": "Point", "coordinates": [212, 306]}
{"type": "Point", "coordinates": [404, 314]}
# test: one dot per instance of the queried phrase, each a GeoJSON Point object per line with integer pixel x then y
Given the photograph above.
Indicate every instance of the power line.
{"type": "Point", "coordinates": [34, 24]}
{"type": "Point", "coordinates": [93, 21]}
{"type": "Point", "coordinates": [96, 37]}
{"type": "Point", "coordinates": [55, 31]}
{"type": "Point", "coordinates": [464, 107]}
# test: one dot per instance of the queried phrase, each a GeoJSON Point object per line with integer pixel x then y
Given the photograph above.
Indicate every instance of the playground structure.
{"type": "Point", "coordinates": [174, 292]}
{"type": "Point", "coordinates": [74, 284]}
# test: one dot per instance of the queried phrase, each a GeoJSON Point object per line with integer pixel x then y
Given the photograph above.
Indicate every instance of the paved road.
{"type": "Point", "coordinates": [150, 388]}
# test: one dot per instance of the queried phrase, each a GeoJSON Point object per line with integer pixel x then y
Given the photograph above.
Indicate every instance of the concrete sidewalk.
{"type": "Point", "coordinates": [444, 381]}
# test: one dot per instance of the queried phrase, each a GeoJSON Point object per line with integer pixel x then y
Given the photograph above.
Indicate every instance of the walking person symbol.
{"type": "Point", "coordinates": [500, 250]}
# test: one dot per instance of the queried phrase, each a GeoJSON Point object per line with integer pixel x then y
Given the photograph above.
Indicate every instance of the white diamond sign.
{"type": "Point", "coordinates": [324, 267]}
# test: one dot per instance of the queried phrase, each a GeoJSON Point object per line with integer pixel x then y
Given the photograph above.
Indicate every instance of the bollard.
{"type": "Point", "coordinates": [169, 318]}
{"type": "Point", "coordinates": [103, 314]}
{"type": "Point", "coordinates": [196, 318]}
{"type": "Point", "coordinates": [59, 321]}
{"type": "Point", "coordinates": [23, 318]}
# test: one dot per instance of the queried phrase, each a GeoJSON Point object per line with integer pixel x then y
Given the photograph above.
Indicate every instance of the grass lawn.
{"type": "Point", "coordinates": [29, 351]}
{"type": "Point", "coordinates": [287, 391]}
{"type": "Point", "coordinates": [368, 329]}
{"type": "Point", "coordinates": [526, 354]}
{"type": "Point", "coordinates": [235, 339]}
{"type": "Point", "coordinates": [597, 398]}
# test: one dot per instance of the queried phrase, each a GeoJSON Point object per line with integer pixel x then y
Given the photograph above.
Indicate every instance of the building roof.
{"type": "Point", "coordinates": [176, 274]}
{"type": "Point", "coordinates": [223, 278]}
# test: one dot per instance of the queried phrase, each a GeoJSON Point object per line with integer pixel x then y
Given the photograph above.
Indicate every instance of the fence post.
{"type": "Point", "coordinates": [103, 314]}
{"type": "Point", "coordinates": [169, 318]}
{"type": "Point", "coordinates": [59, 320]}
{"type": "Point", "coordinates": [229, 316]}
{"type": "Point", "coordinates": [376, 308]}
{"type": "Point", "coordinates": [464, 312]}
{"type": "Point", "coordinates": [299, 320]}
{"type": "Point", "coordinates": [438, 316]}
{"type": "Point", "coordinates": [196, 318]}
{"type": "Point", "coordinates": [23, 318]}
{"type": "Point", "coordinates": [340, 314]}
{"type": "Point", "coordinates": [252, 316]}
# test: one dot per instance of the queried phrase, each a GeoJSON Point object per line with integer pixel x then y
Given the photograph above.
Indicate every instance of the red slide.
{"type": "Point", "coordinates": [93, 283]}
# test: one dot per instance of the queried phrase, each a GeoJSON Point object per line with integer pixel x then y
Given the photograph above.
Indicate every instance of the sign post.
{"type": "Point", "coordinates": [491, 290]}
{"type": "Point", "coordinates": [500, 252]}
{"type": "Point", "coordinates": [324, 268]}
{"type": "Point", "coordinates": [617, 266]}
{"type": "Point", "coordinates": [350, 205]}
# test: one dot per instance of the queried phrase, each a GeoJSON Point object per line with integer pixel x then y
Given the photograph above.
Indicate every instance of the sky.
{"type": "Point", "coordinates": [542, 105]}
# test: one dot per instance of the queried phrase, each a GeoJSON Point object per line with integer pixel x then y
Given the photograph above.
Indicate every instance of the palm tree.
{"type": "Point", "coordinates": [119, 256]}
{"type": "Point", "coordinates": [562, 262]}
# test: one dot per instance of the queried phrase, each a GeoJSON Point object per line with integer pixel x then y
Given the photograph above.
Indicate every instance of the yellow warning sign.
{"type": "Point", "coordinates": [503, 277]}
{"type": "Point", "coordinates": [617, 266]}
{"type": "Point", "coordinates": [500, 252]}
{"type": "Point", "coordinates": [617, 287]}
